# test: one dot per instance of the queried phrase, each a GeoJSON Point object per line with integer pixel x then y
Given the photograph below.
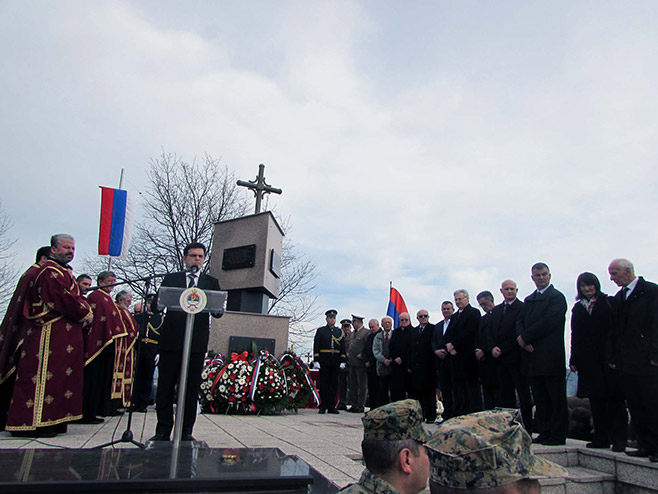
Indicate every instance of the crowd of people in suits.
{"type": "Point", "coordinates": [512, 355]}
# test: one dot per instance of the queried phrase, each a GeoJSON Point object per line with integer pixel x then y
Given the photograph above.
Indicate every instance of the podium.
{"type": "Point", "coordinates": [193, 301]}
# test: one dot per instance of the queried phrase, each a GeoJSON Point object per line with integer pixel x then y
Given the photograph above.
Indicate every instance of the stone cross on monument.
{"type": "Point", "coordinates": [259, 187]}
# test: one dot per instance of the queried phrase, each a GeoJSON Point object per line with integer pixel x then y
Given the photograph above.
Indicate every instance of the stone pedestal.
{"type": "Point", "coordinates": [247, 325]}
{"type": "Point", "coordinates": [246, 259]}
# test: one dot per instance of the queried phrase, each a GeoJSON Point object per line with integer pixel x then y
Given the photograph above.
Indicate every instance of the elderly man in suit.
{"type": "Point", "coordinates": [540, 332]}
{"type": "Point", "coordinates": [460, 343]}
{"type": "Point", "coordinates": [506, 351]}
{"type": "Point", "coordinates": [633, 350]}
{"type": "Point", "coordinates": [172, 336]}
{"type": "Point", "coordinates": [444, 378]}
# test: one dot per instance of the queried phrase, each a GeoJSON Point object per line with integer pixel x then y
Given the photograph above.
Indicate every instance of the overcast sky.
{"type": "Point", "coordinates": [438, 145]}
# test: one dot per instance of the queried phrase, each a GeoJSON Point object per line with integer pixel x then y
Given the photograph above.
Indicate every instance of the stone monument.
{"type": "Point", "coordinates": [246, 259]}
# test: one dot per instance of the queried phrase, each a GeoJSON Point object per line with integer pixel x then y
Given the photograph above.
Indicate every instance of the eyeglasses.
{"type": "Point", "coordinates": [423, 315]}
{"type": "Point", "coordinates": [404, 319]}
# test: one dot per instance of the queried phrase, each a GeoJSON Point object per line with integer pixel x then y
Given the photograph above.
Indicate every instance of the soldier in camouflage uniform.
{"type": "Point", "coordinates": [486, 452]}
{"type": "Point", "coordinates": [393, 451]}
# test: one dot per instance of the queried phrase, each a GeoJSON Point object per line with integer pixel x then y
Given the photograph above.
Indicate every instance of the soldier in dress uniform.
{"type": "Point", "coordinates": [149, 334]}
{"type": "Point", "coordinates": [329, 352]}
{"type": "Point", "coordinates": [486, 452]}
{"type": "Point", "coordinates": [393, 451]}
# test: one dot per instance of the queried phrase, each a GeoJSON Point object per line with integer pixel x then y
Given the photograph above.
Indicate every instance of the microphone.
{"type": "Point", "coordinates": [193, 268]}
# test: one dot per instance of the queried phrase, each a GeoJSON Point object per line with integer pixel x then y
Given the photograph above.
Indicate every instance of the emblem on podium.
{"type": "Point", "coordinates": [193, 300]}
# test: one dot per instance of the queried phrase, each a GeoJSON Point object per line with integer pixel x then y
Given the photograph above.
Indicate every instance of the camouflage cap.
{"type": "Point", "coordinates": [484, 450]}
{"type": "Point", "coordinates": [395, 422]}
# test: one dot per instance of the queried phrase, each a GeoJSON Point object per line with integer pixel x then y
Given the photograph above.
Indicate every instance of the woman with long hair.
{"type": "Point", "coordinates": [590, 323]}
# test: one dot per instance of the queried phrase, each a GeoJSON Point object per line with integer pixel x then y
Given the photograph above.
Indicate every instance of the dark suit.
{"type": "Point", "coordinates": [541, 324]}
{"type": "Point", "coordinates": [511, 379]}
{"type": "Point", "coordinates": [462, 333]}
{"type": "Point", "coordinates": [444, 376]}
{"type": "Point", "coordinates": [422, 378]}
{"type": "Point", "coordinates": [632, 345]}
{"type": "Point", "coordinates": [400, 346]}
{"type": "Point", "coordinates": [172, 337]}
{"type": "Point", "coordinates": [487, 367]}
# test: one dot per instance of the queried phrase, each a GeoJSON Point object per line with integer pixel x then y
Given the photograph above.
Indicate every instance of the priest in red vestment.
{"type": "Point", "coordinates": [100, 350]}
{"type": "Point", "coordinates": [125, 351]}
{"type": "Point", "coordinates": [12, 332]}
{"type": "Point", "coordinates": [48, 389]}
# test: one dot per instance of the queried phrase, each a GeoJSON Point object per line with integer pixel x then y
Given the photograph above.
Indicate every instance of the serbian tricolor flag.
{"type": "Point", "coordinates": [396, 306]}
{"type": "Point", "coordinates": [115, 231]}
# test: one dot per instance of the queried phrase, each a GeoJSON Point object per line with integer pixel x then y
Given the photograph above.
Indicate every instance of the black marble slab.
{"type": "Point", "coordinates": [158, 469]}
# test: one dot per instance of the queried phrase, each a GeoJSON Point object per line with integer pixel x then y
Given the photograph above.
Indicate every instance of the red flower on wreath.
{"type": "Point", "coordinates": [231, 398]}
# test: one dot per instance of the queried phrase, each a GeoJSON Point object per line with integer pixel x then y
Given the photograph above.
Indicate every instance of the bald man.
{"type": "Point", "coordinates": [506, 351]}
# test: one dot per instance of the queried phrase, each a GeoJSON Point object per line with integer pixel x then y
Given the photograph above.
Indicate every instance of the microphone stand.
{"type": "Point", "coordinates": [127, 436]}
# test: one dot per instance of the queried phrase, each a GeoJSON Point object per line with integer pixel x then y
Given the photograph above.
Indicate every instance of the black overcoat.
{"type": "Point", "coordinates": [541, 324]}
{"type": "Point", "coordinates": [503, 332]}
{"type": "Point", "coordinates": [589, 336]}
{"type": "Point", "coordinates": [633, 343]}
{"type": "Point", "coordinates": [462, 333]}
{"type": "Point", "coordinates": [422, 364]}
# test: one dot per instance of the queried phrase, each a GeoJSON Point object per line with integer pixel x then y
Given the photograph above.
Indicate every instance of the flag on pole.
{"type": "Point", "coordinates": [396, 306]}
{"type": "Point", "coordinates": [115, 230]}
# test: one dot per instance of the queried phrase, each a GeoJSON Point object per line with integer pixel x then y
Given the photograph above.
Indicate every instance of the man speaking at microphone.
{"type": "Point", "coordinates": [172, 337]}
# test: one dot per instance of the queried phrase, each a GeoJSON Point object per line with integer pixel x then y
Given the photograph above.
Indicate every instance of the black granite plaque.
{"type": "Point", "coordinates": [239, 344]}
{"type": "Point", "coordinates": [275, 263]}
{"type": "Point", "coordinates": [239, 257]}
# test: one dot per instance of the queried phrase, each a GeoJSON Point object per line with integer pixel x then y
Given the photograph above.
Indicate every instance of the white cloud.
{"type": "Point", "coordinates": [430, 147]}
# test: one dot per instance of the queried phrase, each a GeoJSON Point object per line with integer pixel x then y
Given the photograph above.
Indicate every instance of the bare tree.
{"type": "Point", "coordinates": [8, 273]}
{"type": "Point", "coordinates": [296, 297]}
{"type": "Point", "coordinates": [181, 205]}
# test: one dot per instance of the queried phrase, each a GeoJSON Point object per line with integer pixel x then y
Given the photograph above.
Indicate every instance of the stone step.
{"type": "Point", "coordinates": [580, 480]}
{"type": "Point", "coordinates": [598, 471]}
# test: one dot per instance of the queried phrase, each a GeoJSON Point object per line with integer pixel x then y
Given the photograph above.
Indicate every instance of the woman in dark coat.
{"type": "Point", "coordinates": [590, 323]}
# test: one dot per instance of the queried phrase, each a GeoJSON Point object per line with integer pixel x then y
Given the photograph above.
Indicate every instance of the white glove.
{"type": "Point", "coordinates": [316, 365]}
{"type": "Point", "coordinates": [342, 366]}
{"type": "Point", "coordinates": [157, 359]}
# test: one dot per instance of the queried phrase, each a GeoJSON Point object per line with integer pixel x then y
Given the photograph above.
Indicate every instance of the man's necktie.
{"type": "Point", "coordinates": [386, 336]}
{"type": "Point", "coordinates": [192, 281]}
{"type": "Point", "coordinates": [624, 292]}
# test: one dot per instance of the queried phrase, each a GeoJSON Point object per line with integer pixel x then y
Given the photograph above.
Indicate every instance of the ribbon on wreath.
{"type": "Point", "coordinates": [239, 356]}
{"type": "Point", "coordinates": [235, 357]}
{"type": "Point", "coordinates": [254, 377]}
{"type": "Point", "coordinates": [307, 377]}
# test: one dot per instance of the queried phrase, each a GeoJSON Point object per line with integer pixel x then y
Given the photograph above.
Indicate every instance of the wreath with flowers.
{"type": "Point", "coordinates": [269, 390]}
{"type": "Point", "coordinates": [300, 385]}
{"type": "Point", "coordinates": [232, 385]}
{"type": "Point", "coordinates": [212, 365]}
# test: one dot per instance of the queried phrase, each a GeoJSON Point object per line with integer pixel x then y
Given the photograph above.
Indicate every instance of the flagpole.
{"type": "Point", "coordinates": [109, 261]}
